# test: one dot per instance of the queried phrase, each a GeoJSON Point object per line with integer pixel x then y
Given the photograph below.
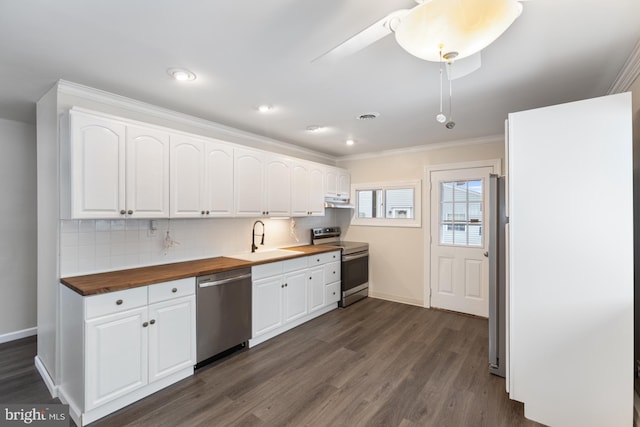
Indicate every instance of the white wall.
{"type": "Point", "coordinates": [17, 229]}
{"type": "Point", "coordinates": [397, 255]}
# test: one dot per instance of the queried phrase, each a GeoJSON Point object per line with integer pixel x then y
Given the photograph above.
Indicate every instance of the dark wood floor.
{"type": "Point", "coordinates": [375, 363]}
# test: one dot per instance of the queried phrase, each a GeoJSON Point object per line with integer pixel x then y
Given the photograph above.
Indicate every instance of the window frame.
{"type": "Point", "coordinates": [416, 221]}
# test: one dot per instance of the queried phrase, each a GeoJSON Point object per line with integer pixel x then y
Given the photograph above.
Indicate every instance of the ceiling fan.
{"type": "Point", "coordinates": [461, 21]}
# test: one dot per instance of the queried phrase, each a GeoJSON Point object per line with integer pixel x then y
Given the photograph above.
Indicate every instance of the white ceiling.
{"type": "Point", "coordinates": [250, 53]}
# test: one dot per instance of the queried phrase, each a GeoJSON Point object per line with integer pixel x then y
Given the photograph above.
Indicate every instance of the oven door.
{"type": "Point", "coordinates": [355, 273]}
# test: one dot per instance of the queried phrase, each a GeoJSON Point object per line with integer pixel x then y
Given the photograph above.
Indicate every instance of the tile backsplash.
{"type": "Point", "coordinates": [91, 246]}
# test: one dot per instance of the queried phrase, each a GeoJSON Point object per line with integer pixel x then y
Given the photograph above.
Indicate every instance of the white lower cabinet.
{"type": "Point", "coordinates": [121, 346]}
{"type": "Point", "coordinates": [295, 294]}
{"type": "Point", "coordinates": [116, 356]}
{"type": "Point", "coordinates": [289, 293]}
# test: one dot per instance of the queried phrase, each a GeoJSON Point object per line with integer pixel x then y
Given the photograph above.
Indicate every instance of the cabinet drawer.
{"type": "Point", "coordinates": [324, 258]}
{"type": "Point", "coordinates": [331, 272]}
{"type": "Point", "coordinates": [267, 270]}
{"type": "Point", "coordinates": [115, 302]}
{"type": "Point", "coordinates": [332, 292]}
{"type": "Point", "coordinates": [173, 289]}
{"type": "Point", "coordinates": [295, 264]}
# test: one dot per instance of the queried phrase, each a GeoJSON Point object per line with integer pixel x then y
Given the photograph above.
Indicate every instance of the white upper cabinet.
{"type": "Point", "coordinates": [201, 177]}
{"type": "Point", "coordinates": [307, 189]}
{"type": "Point", "coordinates": [121, 168]}
{"type": "Point", "coordinates": [248, 181]}
{"type": "Point", "coordinates": [117, 170]}
{"type": "Point", "coordinates": [262, 184]}
{"type": "Point", "coordinates": [338, 183]}
{"type": "Point", "coordinates": [97, 167]}
{"type": "Point", "coordinates": [277, 186]}
{"type": "Point", "coordinates": [147, 177]}
{"type": "Point", "coordinates": [187, 177]}
{"type": "Point", "coordinates": [218, 173]}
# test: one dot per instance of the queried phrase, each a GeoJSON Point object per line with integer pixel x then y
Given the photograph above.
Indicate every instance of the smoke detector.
{"type": "Point", "coordinates": [367, 116]}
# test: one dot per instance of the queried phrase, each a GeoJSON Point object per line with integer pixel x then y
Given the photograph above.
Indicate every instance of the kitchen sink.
{"type": "Point", "coordinates": [265, 255]}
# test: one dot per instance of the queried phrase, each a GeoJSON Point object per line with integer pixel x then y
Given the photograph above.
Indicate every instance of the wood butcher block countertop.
{"type": "Point", "coordinates": [93, 284]}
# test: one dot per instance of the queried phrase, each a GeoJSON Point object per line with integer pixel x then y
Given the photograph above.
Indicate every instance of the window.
{"type": "Point", "coordinates": [461, 213]}
{"type": "Point", "coordinates": [395, 204]}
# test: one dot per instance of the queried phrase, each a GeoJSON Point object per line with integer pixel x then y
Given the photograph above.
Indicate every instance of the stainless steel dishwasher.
{"type": "Point", "coordinates": [223, 312]}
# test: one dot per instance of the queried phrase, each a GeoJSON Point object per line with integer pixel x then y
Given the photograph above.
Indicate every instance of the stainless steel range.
{"type": "Point", "coordinates": [355, 263]}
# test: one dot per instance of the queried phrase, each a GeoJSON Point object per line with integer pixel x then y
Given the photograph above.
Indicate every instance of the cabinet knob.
{"type": "Point", "coordinates": [119, 302]}
{"type": "Point", "coordinates": [201, 212]}
{"type": "Point", "coordinates": [334, 293]}
{"type": "Point", "coordinates": [310, 278]}
{"type": "Point", "coordinates": [174, 290]}
{"type": "Point", "coordinates": [145, 324]}
{"type": "Point", "coordinates": [285, 285]}
{"type": "Point", "coordinates": [122, 212]}
{"type": "Point", "coordinates": [152, 321]}
{"type": "Point", "coordinates": [282, 286]}
{"type": "Point", "coordinates": [207, 212]}
{"type": "Point", "coordinates": [130, 212]}
{"type": "Point", "coordinates": [318, 260]}
{"type": "Point", "coordinates": [334, 272]}
{"type": "Point", "coordinates": [267, 212]}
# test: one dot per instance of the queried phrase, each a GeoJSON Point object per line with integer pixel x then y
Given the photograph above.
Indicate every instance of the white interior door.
{"type": "Point", "coordinates": [459, 266]}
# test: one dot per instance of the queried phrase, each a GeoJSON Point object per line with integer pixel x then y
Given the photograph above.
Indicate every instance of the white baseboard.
{"type": "Point", "coordinates": [12, 336]}
{"type": "Point", "coordinates": [48, 381]}
{"type": "Point", "coordinates": [395, 298]}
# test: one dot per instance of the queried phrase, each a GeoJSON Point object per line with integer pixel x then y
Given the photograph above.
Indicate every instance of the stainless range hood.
{"type": "Point", "coordinates": [337, 202]}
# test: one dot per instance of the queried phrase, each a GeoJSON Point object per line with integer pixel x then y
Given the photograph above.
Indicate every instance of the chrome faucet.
{"type": "Point", "coordinates": [253, 236]}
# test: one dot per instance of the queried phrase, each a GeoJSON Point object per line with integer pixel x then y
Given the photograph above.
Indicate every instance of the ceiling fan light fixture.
{"type": "Point", "coordinates": [462, 26]}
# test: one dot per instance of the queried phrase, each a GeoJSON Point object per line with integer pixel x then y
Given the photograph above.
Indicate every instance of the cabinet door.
{"type": "Point", "coordinates": [249, 175]}
{"type": "Point", "coordinates": [218, 162]}
{"type": "Point", "coordinates": [331, 182]}
{"type": "Point", "coordinates": [97, 167]}
{"type": "Point", "coordinates": [316, 288]}
{"type": "Point", "coordinates": [116, 356]}
{"type": "Point", "coordinates": [295, 295]}
{"type": "Point", "coordinates": [147, 177]}
{"type": "Point", "coordinates": [300, 189]}
{"type": "Point", "coordinates": [187, 177]}
{"type": "Point", "coordinates": [277, 188]}
{"type": "Point", "coordinates": [344, 183]}
{"type": "Point", "coordinates": [316, 190]}
{"type": "Point", "coordinates": [266, 304]}
{"type": "Point", "coordinates": [172, 337]}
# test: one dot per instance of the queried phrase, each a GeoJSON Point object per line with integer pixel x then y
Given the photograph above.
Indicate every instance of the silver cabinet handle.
{"type": "Point", "coordinates": [119, 302]}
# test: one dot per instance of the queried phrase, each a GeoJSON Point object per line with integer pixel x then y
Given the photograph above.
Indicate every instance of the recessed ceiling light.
{"type": "Point", "coordinates": [181, 74]}
{"type": "Point", "coordinates": [315, 128]}
{"type": "Point", "coordinates": [350, 142]}
{"type": "Point", "coordinates": [265, 108]}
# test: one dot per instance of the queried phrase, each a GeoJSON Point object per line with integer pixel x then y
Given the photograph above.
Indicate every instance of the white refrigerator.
{"type": "Point", "coordinates": [570, 253]}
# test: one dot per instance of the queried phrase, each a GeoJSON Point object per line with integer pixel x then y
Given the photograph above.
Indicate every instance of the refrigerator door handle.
{"type": "Point", "coordinates": [493, 272]}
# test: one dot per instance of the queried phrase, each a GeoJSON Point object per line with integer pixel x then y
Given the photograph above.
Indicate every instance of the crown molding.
{"type": "Point", "coordinates": [629, 73]}
{"type": "Point", "coordinates": [427, 147]}
{"type": "Point", "coordinates": [120, 101]}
